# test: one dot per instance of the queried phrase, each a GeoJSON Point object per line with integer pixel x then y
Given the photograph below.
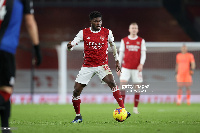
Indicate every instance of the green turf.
{"type": "Point", "coordinates": [97, 118]}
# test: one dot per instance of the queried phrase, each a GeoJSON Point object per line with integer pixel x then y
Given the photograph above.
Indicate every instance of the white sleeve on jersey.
{"type": "Point", "coordinates": [77, 39]}
{"type": "Point", "coordinates": [143, 46]}
{"type": "Point", "coordinates": [121, 51]}
{"type": "Point", "coordinates": [110, 37]}
{"type": "Point", "coordinates": [143, 52]}
{"type": "Point", "coordinates": [143, 57]}
{"type": "Point", "coordinates": [122, 46]}
{"type": "Point", "coordinates": [112, 45]}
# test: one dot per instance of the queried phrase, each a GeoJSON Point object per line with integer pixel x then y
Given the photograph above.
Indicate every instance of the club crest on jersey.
{"type": "Point", "coordinates": [102, 38]}
{"type": "Point", "coordinates": [138, 43]}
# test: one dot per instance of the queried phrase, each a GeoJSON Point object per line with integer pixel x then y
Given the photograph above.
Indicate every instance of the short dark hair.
{"type": "Point", "coordinates": [95, 14]}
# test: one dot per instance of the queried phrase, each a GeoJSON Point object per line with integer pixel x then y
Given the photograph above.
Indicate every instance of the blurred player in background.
{"type": "Point", "coordinates": [185, 65]}
{"type": "Point", "coordinates": [11, 14]}
{"type": "Point", "coordinates": [132, 56]}
{"type": "Point", "coordinates": [96, 40]}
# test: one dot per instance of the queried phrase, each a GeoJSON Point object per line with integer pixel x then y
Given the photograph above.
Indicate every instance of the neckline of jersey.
{"type": "Point", "coordinates": [129, 37]}
{"type": "Point", "coordinates": [94, 31]}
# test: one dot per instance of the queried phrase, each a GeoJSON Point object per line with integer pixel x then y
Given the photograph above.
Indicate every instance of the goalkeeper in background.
{"type": "Point", "coordinates": [132, 56]}
{"type": "Point", "coordinates": [185, 65]}
{"type": "Point", "coordinates": [11, 14]}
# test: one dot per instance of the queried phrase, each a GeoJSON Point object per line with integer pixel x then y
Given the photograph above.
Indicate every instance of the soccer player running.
{"type": "Point", "coordinates": [96, 40]}
{"type": "Point", "coordinates": [132, 56]}
{"type": "Point", "coordinates": [185, 65]}
{"type": "Point", "coordinates": [11, 14]}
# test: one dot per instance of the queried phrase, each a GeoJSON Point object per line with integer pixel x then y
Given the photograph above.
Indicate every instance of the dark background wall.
{"type": "Point", "coordinates": [61, 20]}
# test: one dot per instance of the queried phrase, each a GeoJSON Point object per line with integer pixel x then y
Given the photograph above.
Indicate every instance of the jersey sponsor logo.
{"type": "Point", "coordinates": [2, 10]}
{"type": "Point", "coordinates": [95, 45]}
{"type": "Point", "coordinates": [132, 47]}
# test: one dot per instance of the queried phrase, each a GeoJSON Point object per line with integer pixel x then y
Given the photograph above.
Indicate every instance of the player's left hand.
{"type": "Point", "coordinates": [140, 68]}
{"type": "Point", "coordinates": [38, 55]}
{"type": "Point", "coordinates": [118, 73]}
{"type": "Point", "coordinates": [118, 68]}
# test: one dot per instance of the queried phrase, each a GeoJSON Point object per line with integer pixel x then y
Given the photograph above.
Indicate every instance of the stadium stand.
{"type": "Point", "coordinates": [193, 12]}
{"type": "Point", "coordinates": [57, 24]}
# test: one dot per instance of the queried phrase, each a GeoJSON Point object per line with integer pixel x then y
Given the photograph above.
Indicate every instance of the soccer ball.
{"type": "Point", "coordinates": [120, 114]}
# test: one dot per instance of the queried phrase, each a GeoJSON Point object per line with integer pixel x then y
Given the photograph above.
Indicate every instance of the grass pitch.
{"type": "Point", "coordinates": [97, 118]}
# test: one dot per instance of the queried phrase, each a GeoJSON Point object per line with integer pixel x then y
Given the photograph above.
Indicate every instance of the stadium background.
{"type": "Point", "coordinates": [58, 21]}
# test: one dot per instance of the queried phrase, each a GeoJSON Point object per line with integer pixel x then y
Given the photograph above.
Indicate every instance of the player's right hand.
{"type": "Point", "coordinates": [69, 45]}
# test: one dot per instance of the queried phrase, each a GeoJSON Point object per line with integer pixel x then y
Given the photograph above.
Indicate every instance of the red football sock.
{"type": "Point", "coordinates": [76, 103]}
{"type": "Point", "coordinates": [123, 94]}
{"type": "Point", "coordinates": [5, 95]}
{"type": "Point", "coordinates": [136, 99]}
{"type": "Point", "coordinates": [117, 96]}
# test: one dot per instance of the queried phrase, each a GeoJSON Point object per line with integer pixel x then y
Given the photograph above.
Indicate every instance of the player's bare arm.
{"type": "Point", "coordinates": [119, 62]}
{"type": "Point", "coordinates": [118, 73]}
{"type": "Point", "coordinates": [118, 68]}
{"type": "Point", "coordinates": [32, 28]}
{"type": "Point", "coordinates": [115, 54]}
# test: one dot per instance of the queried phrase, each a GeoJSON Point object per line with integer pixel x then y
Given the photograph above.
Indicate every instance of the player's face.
{"type": "Point", "coordinates": [184, 49]}
{"type": "Point", "coordinates": [133, 29]}
{"type": "Point", "coordinates": [96, 23]}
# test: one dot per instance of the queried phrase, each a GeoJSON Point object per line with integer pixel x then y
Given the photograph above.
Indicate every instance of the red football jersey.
{"type": "Point", "coordinates": [132, 53]}
{"type": "Point", "coordinates": [95, 47]}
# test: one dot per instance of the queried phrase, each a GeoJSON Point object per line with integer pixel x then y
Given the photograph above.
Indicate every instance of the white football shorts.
{"type": "Point", "coordinates": [136, 76]}
{"type": "Point", "coordinates": [86, 73]}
